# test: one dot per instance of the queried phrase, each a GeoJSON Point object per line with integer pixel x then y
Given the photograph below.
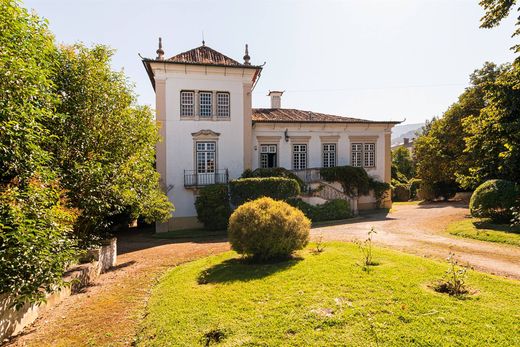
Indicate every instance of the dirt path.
{"type": "Point", "coordinates": [419, 229]}
{"type": "Point", "coordinates": [108, 313]}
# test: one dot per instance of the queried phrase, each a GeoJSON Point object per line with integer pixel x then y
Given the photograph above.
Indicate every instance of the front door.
{"type": "Point", "coordinates": [206, 162]}
{"type": "Point", "coordinates": [268, 156]}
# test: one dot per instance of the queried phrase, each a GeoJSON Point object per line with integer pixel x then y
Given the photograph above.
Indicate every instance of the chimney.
{"type": "Point", "coordinates": [276, 98]}
{"type": "Point", "coordinates": [406, 141]}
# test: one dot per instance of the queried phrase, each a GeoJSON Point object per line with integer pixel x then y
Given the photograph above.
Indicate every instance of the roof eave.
{"type": "Point", "coordinates": [241, 66]}
{"type": "Point", "coordinates": [325, 122]}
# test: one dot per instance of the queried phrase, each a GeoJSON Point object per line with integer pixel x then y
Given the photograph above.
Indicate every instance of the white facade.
{"type": "Point", "coordinates": [234, 143]}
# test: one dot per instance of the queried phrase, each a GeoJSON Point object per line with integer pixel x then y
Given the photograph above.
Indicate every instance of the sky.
{"type": "Point", "coordinates": [373, 59]}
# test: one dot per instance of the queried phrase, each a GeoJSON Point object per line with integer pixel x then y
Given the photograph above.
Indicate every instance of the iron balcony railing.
{"type": "Point", "coordinates": [193, 179]}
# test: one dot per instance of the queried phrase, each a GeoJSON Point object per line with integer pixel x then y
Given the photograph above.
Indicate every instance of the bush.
{"type": "Point", "coordinates": [380, 190]}
{"type": "Point", "coordinates": [401, 192]}
{"type": "Point", "coordinates": [414, 184]}
{"type": "Point", "coordinates": [273, 172]}
{"type": "Point", "coordinates": [212, 205]}
{"type": "Point", "coordinates": [354, 180]}
{"type": "Point", "coordinates": [247, 189]}
{"type": "Point", "coordinates": [267, 229]}
{"type": "Point", "coordinates": [494, 199]}
{"type": "Point", "coordinates": [438, 190]}
{"type": "Point", "coordinates": [331, 210]}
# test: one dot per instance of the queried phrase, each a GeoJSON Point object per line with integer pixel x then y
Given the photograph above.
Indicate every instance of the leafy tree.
{"type": "Point", "coordinates": [107, 144]}
{"type": "Point", "coordinates": [495, 12]}
{"type": "Point", "coordinates": [440, 152]}
{"type": "Point", "coordinates": [403, 162]}
{"type": "Point", "coordinates": [34, 222]}
{"type": "Point", "coordinates": [494, 135]}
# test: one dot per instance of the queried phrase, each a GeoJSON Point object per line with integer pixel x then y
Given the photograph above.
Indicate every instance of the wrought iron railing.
{"type": "Point", "coordinates": [310, 175]}
{"type": "Point", "coordinates": [193, 179]}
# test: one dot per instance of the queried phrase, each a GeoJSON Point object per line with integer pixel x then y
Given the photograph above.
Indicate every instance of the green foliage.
{"type": "Point", "coordinates": [415, 185]}
{"type": "Point", "coordinates": [403, 162]}
{"type": "Point", "coordinates": [273, 172]}
{"type": "Point", "coordinates": [495, 12]}
{"type": "Point", "coordinates": [401, 192]}
{"type": "Point", "coordinates": [437, 191]}
{"type": "Point", "coordinates": [354, 180]}
{"type": "Point", "coordinates": [247, 189]}
{"type": "Point", "coordinates": [107, 144]}
{"type": "Point", "coordinates": [331, 210]}
{"type": "Point", "coordinates": [380, 189]}
{"type": "Point", "coordinates": [212, 205]}
{"type": "Point", "coordinates": [494, 134]}
{"type": "Point", "coordinates": [455, 278]}
{"type": "Point", "coordinates": [494, 199]}
{"type": "Point", "coordinates": [34, 223]}
{"type": "Point", "coordinates": [268, 229]}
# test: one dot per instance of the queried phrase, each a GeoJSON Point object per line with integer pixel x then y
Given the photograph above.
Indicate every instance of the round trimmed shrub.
{"type": "Point", "coordinates": [268, 229]}
{"type": "Point", "coordinates": [401, 193]}
{"type": "Point", "coordinates": [212, 205]}
{"type": "Point", "coordinates": [494, 199]}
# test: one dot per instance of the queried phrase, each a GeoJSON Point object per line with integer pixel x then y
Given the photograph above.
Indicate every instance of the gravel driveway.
{"type": "Point", "coordinates": [420, 229]}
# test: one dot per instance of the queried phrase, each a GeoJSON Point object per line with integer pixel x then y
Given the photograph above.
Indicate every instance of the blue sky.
{"type": "Point", "coordinates": [383, 60]}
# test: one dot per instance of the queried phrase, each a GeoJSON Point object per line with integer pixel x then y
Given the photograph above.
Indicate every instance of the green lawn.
{"type": "Point", "coordinates": [482, 230]}
{"type": "Point", "coordinates": [327, 300]}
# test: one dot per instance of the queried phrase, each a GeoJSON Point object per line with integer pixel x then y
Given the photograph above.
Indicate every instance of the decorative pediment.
{"type": "Point", "coordinates": [205, 134]}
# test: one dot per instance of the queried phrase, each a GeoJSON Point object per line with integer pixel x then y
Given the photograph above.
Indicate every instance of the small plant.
{"type": "Point", "coordinates": [366, 249]}
{"type": "Point", "coordinates": [214, 336]}
{"type": "Point", "coordinates": [319, 245]}
{"type": "Point", "coordinates": [454, 281]}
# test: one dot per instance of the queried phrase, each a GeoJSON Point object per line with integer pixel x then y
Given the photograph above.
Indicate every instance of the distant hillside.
{"type": "Point", "coordinates": [401, 131]}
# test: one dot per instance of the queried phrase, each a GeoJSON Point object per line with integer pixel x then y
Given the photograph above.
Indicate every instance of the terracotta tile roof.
{"type": "Point", "coordinates": [204, 55]}
{"type": "Point", "coordinates": [288, 115]}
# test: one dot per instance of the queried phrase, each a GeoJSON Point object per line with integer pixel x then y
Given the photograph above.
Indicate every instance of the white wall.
{"type": "Point", "coordinates": [179, 139]}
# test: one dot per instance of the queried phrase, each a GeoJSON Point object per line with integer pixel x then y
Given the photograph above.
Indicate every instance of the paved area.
{"type": "Point", "coordinates": [420, 229]}
{"type": "Point", "coordinates": [108, 313]}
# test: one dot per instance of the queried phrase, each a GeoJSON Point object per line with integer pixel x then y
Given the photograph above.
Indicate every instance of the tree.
{"type": "Point", "coordinates": [35, 223]}
{"type": "Point", "coordinates": [107, 144]}
{"type": "Point", "coordinates": [495, 12]}
{"type": "Point", "coordinates": [402, 160]}
{"type": "Point", "coordinates": [440, 152]}
{"type": "Point", "coordinates": [494, 135]}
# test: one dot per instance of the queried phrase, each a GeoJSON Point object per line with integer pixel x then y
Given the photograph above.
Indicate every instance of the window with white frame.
{"type": "Point", "coordinates": [205, 104]}
{"type": "Point", "coordinates": [329, 154]}
{"type": "Point", "coordinates": [363, 154]}
{"type": "Point", "coordinates": [222, 105]}
{"type": "Point", "coordinates": [357, 154]}
{"type": "Point", "coordinates": [369, 154]}
{"type": "Point", "coordinates": [205, 156]}
{"type": "Point", "coordinates": [187, 104]}
{"type": "Point", "coordinates": [299, 157]}
{"type": "Point", "coordinates": [268, 156]}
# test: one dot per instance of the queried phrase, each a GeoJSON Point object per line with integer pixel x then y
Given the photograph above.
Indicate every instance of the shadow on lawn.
{"type": "Point", "coordinates": [243, 269]}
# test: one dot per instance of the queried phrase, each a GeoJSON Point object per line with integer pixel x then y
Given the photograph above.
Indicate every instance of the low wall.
{"type": "Point", "coordinates": [12, 321]}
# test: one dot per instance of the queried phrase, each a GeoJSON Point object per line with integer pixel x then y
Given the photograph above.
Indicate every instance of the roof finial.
{"type": "Point", "coordinates": [247, 58]}
{"type": "Point", "coordinates": [203, 42]}
{"type": "Point", "coordinates": [160, 52]}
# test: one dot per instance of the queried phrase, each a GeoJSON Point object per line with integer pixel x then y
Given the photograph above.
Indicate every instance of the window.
{"type": "Point", "coordinates": [329, 155]}
{"type": "Point", "coordinates": [268, 156]}
{"type": "Point", "coordinates": [299, 157]}
{"type": "Point", "coordinates": [205, 103]}
{"type": "Point", "coordinates": [364, 154]}
{"type": "Point", "coordinates": [205, 156]}
{"type": "Point", "coordinates": [357, 154]}
{"type": "Point", "coordinates": [369, 155]}
{"type": "Point", "coordinates": [187, 104]}
{"type": "Point", "coordinates": [223, 105]}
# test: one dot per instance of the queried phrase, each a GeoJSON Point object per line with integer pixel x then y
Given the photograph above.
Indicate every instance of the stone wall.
{"type": "Point", "coordinates": [12, 321]}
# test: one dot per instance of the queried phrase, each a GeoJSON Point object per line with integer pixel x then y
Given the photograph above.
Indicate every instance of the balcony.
{"type": "Point", "coordinates": [194, 179]}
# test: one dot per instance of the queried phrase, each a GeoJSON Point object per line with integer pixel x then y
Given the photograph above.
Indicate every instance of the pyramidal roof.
{"type": "Point", "coordinates": [206, 56]}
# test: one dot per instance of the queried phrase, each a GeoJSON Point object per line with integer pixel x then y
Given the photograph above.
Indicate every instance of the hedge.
{"type": "Point", "coordinates": [495, 199]}
{"type": "Point", "coordinates": [212, 205]}
{"type": "Point", "coordinates": [331, 210]}
{"type": "Point", "coordinates": [277, 188]}
{"type": "Point", "coordinates": [273, 172]}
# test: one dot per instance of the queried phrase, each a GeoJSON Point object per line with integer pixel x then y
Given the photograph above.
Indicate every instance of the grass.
{"type": "Point", "coordinates": [327, 300]}
{"type": "Point", "coordinates": [485, 231]}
